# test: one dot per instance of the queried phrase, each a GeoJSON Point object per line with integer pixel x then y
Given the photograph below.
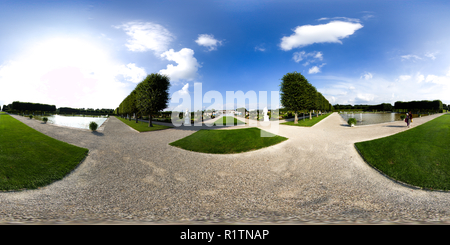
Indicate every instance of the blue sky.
{"type": "Point", "coordinates": [92, 54]}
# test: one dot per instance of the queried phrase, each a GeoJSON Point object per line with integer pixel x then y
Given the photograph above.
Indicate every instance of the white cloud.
{"type": "Point", "coordinates": [64, 72]}
{"type": "Point", "coordinates": [186, 68]}
{"type": "Point", "coordinates": [340, 18]}
{"type": "Point", "coordinates": [419, 77]}
{"type": "Point", "coordinates": [365, 97]}
{"type": "Point", "coordinates": [319, 56]}
{"type": "Point", "coordinates": [414, 57]}
{"type": "Point", "coordinates": [326, 33]}
{"type": "Point", "coordinates": [347, 90]}
{"type": "Point", "coordinates": [185, 89]}
{"type": "Point", "coordinates": [314, 70]}
{"type": "Point", "coordinates": [367, 76]}
{"type": "Point", "coordinates": [431, 55]}
{"type": "Point", "coordinates": [331, 99]}
{"type": "Point", "coordinates": [298, 56]}
{"type": "Point", "coordinates": [132, 73]}
{"type": "Point", "coordinates": [145, 36]}
{"type": "Point", "coordinates": [301, 55]}
{"type": "Point", "coordinates": [208, 41]}
{"type": "Point", "coordinates": [368, 16]}
{"type": "Point", "coordinates": [443, 80]}
{"type": "Point", "coordinates": [410, 56]}
{"type": "Point", "coordinates": [404, 77]}
{"type": "Point", "coordinates": [260, 49]}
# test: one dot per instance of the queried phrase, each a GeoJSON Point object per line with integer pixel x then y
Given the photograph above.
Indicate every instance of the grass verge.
{"type": "Point", "coordinates": [307, 122]}
{"type": "Point", "coordinates": [142, 126]}
{"type": "Point", "coordinates": [228, 121]}
{"type": "Point", "coordinates": [419, 156]}
{"type": "Point", "coordinates": [30, 159]}
{"type": "Point", "coordinates": [227, 141]}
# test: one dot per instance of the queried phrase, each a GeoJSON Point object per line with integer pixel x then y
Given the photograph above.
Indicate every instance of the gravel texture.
{"type": "Point", "coordinates": [316, 176]}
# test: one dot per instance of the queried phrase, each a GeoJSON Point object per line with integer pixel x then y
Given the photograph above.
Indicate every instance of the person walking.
{"type": "Point", "coordinates": [408, 120]}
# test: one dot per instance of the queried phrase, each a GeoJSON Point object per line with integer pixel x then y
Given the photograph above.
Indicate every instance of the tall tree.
{"type": "Point", "coordinates": [152, 95]}
{"type": "Point", "coordinates": [296, 93]}
{"type": "Point", "coordinates": [133, 105]}
{"type": "Point", "coordinates": [311, 98]}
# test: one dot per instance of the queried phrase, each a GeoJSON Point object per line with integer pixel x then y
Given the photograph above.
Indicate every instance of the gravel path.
{"type": "Point", "coordinates": [316, 176]}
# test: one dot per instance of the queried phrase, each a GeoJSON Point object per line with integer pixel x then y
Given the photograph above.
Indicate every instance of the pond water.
{"type": "Point", "coordinates": [75, 122]}
{"type": "Point", "coordinates": [374, 118]}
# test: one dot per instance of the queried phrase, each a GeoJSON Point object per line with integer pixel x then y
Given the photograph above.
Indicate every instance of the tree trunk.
{"type": "Point", "coordinates": [296, 118]}
{"type": "Point", "coordinates": [310, 116]}
{"type": "Point", "coordinates": [135, 116]}
{"type": "Point", "coordinates": [150, 124]}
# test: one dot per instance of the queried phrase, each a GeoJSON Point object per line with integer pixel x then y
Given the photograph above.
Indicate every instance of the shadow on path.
{"type": "Point", "coordinates": [97, 133]}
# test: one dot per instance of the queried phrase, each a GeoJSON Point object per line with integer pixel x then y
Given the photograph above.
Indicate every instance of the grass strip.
{"type": "Point", "coordinates": [419, 156]}
{"type": "Point", "coordinates": [228, 121]}
{"type": "Point", "coordinates": [307, 122]}
{"type": "Point", "coordinates": [142, 126]}
{"type": "Point", "coordinates": [30, 159]}
{"type": "Point", "coordinates": [227, 141]}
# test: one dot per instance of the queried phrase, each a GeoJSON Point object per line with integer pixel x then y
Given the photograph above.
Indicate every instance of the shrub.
{"type": "Point", "coordinates": [351, 121]}
{"type": "Point", "coordinates": [31, 116]}
{"type": "Point", "coordinates": [93, 126]}
{"type": "Point", "coordinates": [402, 117]}
{"type": "Point", "coordinates": [45, 119]}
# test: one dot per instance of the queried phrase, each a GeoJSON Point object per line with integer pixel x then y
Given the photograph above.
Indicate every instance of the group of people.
{"type": "Point", "coordinates": [408, 119]}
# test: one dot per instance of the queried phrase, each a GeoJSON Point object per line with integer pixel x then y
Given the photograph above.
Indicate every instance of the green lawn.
{"type": "Point", "coordinates": [227, 141]}
{"type": "Point", "coordinates": [419, 156]}
{"type": "Point", "coordinates": [30, 159]}
{"type": "Point", "coordinates": [228, 121]}
{"type": "Point", "coordinates": [307, 122]}
{"type": "Point", "coordinates": [142, 126]}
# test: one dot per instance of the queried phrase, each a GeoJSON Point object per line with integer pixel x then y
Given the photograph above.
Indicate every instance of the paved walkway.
{"type": "Point", "coordinates": [315, 176]}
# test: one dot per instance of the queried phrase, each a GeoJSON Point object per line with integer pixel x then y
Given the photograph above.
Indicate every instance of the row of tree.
{"type": "Point", "coordinates": [88, 111]}
{"type": "Point", "coordinates": [148, 98]}
{"type": "Point", "coordinates": [297, 94]}
{"type": "Point", "coordinates": [380, 107]}
{"type": "Point", "coordinates": [399, 106]}
{"type": "Point", "coordinates": [28, 107]}
{"type": "Point", "coordinates": [420, 106]}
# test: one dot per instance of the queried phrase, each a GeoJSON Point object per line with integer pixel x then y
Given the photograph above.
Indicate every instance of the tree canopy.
{"type": "Point", "coordinates": [297, 94]}
{"type": "Point", "coordinates": [28, 106]}
{"type": "Point", "coordinates": [423, 105]}
{"type": "Point", "coordinates": [152, 95]}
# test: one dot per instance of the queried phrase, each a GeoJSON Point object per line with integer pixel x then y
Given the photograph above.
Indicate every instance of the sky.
{"type": "Point", "coordinates": [92, 54]}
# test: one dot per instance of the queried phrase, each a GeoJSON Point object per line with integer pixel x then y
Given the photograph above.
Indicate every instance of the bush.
{"type": "Point", "coordinates": [31, 116]}
{"type": "Point", "coordinates": [351, 121]}
{"type": "Point", "coordinates": [93, 126]}
{"type": "Point", "coordinates": [402, 117]}
{"type": "Point", "coordinates": [45, 119]}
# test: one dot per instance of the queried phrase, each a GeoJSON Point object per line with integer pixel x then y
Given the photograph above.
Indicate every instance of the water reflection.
{"type": "Point", "coordinates": [373, 118]}
{"type": "Point", "coordinates": [75, 122]}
